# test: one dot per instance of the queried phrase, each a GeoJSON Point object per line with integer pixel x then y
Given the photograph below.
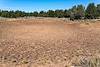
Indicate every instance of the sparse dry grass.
{"type": "Point", "coordinates": [88, 62]}
{"type": "Point", "coordinates": [47, 42]}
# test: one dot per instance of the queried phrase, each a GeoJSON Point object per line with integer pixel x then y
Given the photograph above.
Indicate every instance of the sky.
{"type": "Point", "coordinates": [39, 5]}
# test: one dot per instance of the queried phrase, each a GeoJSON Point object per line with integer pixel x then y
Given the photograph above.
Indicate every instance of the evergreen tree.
{"type": "Point", "coordinates": [42, 14]}
{"type": "Point", "coordinates": [90, 12]}
{"type": "Point", "coordinates": [98, 10]}
{"type": "Point", "coordinates": [51, 13]}
{"type": "Point", "coordinates": [59, 13]}
{"type": "Point", "coordinates": [35, 14]}
{"type": "Point", "coordinates": [80, 12]}
{"type": "Point", "coordinates": [66, 13]}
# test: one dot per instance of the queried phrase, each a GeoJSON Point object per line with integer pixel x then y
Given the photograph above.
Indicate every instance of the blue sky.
{"type": "Point", "coordinates": [38, 5]}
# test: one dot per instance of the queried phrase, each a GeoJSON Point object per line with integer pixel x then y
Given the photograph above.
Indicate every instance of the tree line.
{"type": "Point", "coordinates": [92, 11]}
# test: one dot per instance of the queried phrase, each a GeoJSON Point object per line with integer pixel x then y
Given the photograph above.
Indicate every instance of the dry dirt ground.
{"type": "Point", "coordinates": [47, 42]}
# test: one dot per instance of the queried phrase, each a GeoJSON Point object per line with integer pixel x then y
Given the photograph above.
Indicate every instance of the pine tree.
{"type": "Point", "coordinates": [90, 12]}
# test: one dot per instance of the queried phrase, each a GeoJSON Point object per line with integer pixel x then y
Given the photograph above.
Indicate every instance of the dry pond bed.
{"type": "Point", "coordinates": [47, 42]}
